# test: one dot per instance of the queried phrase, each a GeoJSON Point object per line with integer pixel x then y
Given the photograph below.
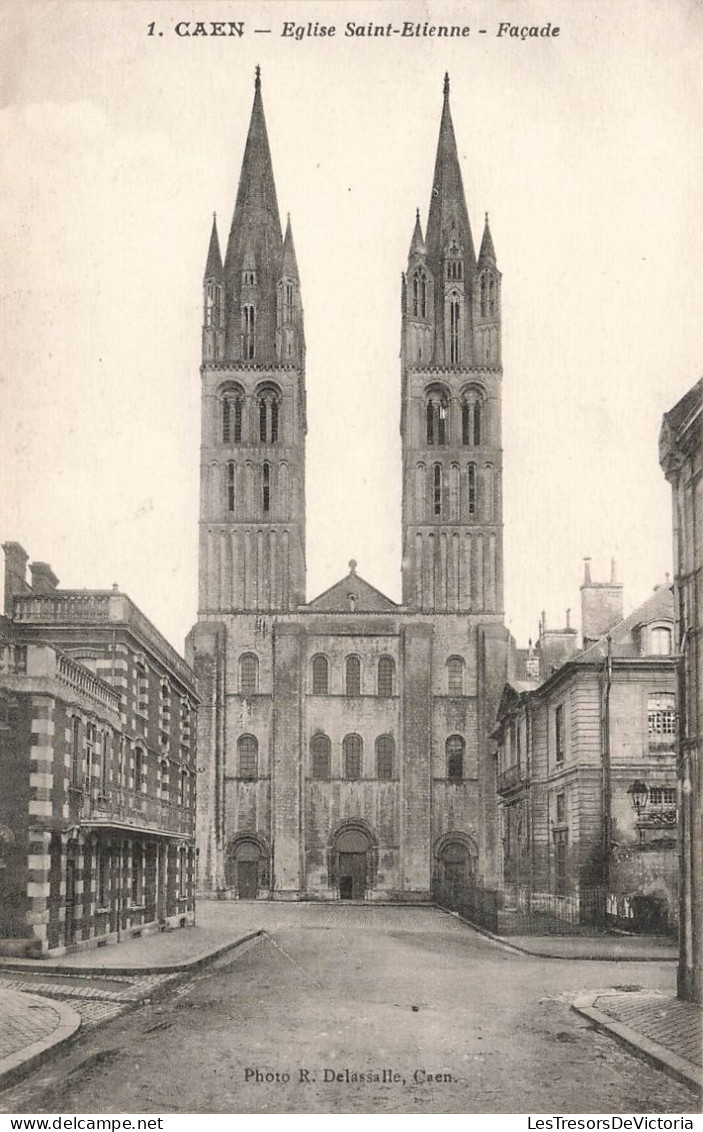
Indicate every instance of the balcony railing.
{"type": "Point", "coordinates": [140, 811]}
{"type": "Point", "coordinates": [511, 778]}
{"type": "Point", "coordinates": [71, 606]}
{"type": "Point", "coordinates": [80, 678]}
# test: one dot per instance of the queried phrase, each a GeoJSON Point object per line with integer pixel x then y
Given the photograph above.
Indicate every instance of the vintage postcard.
{"type": "Point", "coordinates": [338, 660]}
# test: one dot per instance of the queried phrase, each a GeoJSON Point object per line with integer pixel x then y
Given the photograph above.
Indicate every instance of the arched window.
{"type": "Point", "coordinates": [230, 486]}
{"type": "Point", "coordinates": [472, 489]}
{"type": "Point", "coordinates": [455, 758]}
{"type": "Point", "coordinates": [248, 674]}
{"type": "Point", "coordinates": [385, 750]}
{"type": "Point", "coordinates": [437, 489]}
{"type": "Point", "coordinates": [661, 641]}
{"type": "Point", "coordinates": [266, 486]}
{"type": "Point", "coordinates": [231, 418]}
{"type": "Point", "coordinates": [454, 331]}
{"type": "Point", "coordinates": [353, 674]}
{"type": "Point", "coordinates": [269, 416]}
{"type": "Point", "coordinates": [247, 757]}
{"type": "Point", "coordinates": [320, 751]}
{"type": "Point", "coordinates": [483, 296]}
{"type": "Point", "coordinates": [472, 417]}
{"type": "Point", "coordinates": [320, 676]}
{"type": "Point", "coordinates": [420, 294]}
{"type": "Point", "coordinates": [437, 417]}
{"type": "Point", "coordinates": [386, 672]}
{"type": "Point", "coordinates": [492, 296]}
{"type": "Point", "coordinates": [455, 676]}
{"type": "Point", "coordinates": [248, 330]}
{"type": "Point", "coordinates": [352, 749]}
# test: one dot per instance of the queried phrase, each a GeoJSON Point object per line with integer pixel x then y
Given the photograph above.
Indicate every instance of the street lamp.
{"type": "Point", "coordinates": [639, 794]}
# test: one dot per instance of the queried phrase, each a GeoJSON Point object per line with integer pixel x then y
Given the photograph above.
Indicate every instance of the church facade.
{"type": "Point", "coordinates": [343, 742]}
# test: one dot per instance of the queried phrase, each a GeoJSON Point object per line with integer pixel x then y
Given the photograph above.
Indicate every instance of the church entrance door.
{"type": "Point", "coordinates": [352, 876]}
{"type": "Point", "coordinates": [248, 879]}
{"type": "Point", "coordinates": [353, 849]}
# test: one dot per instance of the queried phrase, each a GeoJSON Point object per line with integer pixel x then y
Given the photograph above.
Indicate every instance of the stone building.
{"type": "Point", "coordinates": [97, 756]}
{"type": "Point", "coordinates": [344, 741]}
{"type": "Point", "coordinates": [681, 458]}
{"type": "Point", "coordinates": [586, 762]}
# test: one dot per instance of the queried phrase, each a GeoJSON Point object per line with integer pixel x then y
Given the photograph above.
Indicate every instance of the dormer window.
{"type": "Point", "coordinates": [660, 641]}
{"type": "Point", "coordinates": [249, 277]}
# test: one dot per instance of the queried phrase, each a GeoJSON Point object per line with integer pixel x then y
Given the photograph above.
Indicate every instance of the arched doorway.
{"type": "Point", "coordinates": [247, 867]}
{"type": "Point", "coordinates": [455, 860]}
{"type": "Point", "coordinates": [352, 846]}
{"type": "Point", "coordinates": [353, 857]}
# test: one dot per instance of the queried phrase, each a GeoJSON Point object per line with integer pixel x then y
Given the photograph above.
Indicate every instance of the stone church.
{"type": "Point", "coordinates": [343, 742]}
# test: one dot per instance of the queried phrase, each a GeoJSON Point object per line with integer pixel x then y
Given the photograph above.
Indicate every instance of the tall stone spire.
{"type": "Point", "coordinates": [417, 244]}
{"type": "Point", "coordinates": [213, 266]}
{"type": "Point", "coordinates": [487, 254]}
{"type": "Point", "coordinates": [448, 213]}
{"type": "Point", "coordinates": [290, 263]}
{"type": "Point", "coordinates": [255, 232]}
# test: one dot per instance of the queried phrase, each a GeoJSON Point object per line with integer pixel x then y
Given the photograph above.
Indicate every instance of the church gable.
{"type": "Point", "coordinates": [352, 594]}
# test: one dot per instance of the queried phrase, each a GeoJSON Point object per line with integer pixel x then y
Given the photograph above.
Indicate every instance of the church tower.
{"type": "Point", "coordinates": [451, 404]}
{"type": "Point", "coordinates": [252, 468]}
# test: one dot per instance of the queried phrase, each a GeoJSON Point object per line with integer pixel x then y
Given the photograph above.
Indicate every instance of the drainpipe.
{"type": "Point", "coordinates": [607, 846]}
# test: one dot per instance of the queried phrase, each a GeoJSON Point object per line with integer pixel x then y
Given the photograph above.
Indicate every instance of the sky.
{"type": "Point", "coordinates": [117, 145]}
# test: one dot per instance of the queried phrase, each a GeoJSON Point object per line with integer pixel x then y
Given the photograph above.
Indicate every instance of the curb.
{"type": "Point", "coordinates": [504, 941]}
{"type": "Point", "coordinates": [29, 1057]}
{"type": "Point", "coordinates": [184, 965]}
{"type": "Point", "coordinates": [673, 1065]}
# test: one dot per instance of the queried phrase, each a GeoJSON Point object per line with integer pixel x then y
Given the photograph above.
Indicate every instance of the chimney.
{"type": "Point", "coordinates": [556, 646]}
{"type": "Point", "coordinates": [44, 580]}
{"type": "Point", "coordinates": [16, 558]}
{"type": "Point", "coordinates": [601, 605]}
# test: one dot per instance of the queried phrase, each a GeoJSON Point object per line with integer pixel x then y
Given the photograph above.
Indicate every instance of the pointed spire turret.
{"type": "Point", "coordinates": [213, 266]}
{"type": "Point", "coordinates": [290, 263]}
{"type": "Point", "coordinates": [448, 204]}
{"type": "Point", "coordinates": [417, 244]}
{"type": "Point", "coordinates": [487, 255]}
{"type": "Point", "coordinates": [255, 230]}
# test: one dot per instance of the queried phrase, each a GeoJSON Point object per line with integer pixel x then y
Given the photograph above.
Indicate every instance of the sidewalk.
{"type": "Point", "coordinates": [182, 949]}
{"type": "Point", "coordinates": [30, 1026]}
{"type": "Point", "coordinates": [661, 1028]}
{"type": "Point", "coordinates": [630, 948]}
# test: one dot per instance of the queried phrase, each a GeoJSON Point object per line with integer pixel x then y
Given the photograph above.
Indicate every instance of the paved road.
{"type": "Point", "coordinates": [331, 997]}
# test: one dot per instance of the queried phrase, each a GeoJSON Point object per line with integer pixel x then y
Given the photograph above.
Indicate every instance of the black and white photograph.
{"type": "Point", "coordinates": [351, 509]}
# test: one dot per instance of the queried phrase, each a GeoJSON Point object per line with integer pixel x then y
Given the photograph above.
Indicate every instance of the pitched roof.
{"type": "Point", "coordinates": [658, 606]}
{"type": "Point", "coordinates": [352, 594]}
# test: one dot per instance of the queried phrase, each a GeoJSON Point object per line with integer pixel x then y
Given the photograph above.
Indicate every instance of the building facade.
{"type": "Point", "coordinates": [97, 754]}
{"type": "Point", "coordinates": [344, 741]}
{"type": "Point", "coordinates": [681, 458]}
{"type": "Point", "coordinates": [586, 764]}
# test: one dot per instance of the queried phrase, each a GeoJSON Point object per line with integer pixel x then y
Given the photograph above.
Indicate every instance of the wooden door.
{"type": "Point", "coordinates": [247, 879]}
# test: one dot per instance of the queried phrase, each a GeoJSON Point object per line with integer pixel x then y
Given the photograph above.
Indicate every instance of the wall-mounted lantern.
{"type": "Point", "coordinates": [639, 794]}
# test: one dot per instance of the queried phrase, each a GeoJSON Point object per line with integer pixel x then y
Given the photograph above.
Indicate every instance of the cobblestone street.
{"type": "Point", "coordinates": [359, 1009]}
